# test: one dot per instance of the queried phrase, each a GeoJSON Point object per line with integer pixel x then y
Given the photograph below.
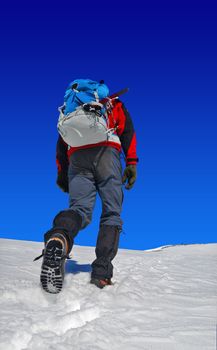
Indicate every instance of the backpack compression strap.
{"type": "Point", "coordinates": [103, 100]}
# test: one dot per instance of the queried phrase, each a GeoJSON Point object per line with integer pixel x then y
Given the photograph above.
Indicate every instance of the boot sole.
{"type": "Point", "coordinates": [51, 279]}
{"type": "Point", "coordinates": [52, 273]}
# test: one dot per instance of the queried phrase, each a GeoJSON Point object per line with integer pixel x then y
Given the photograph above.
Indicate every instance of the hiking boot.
{"type": "Point", "coordinates": [53, 266]}
{"type": "Point", "coordinates": [101, 283]}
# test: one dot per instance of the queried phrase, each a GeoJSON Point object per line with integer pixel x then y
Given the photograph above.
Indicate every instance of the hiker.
{"type": "Point", "coordinates": [89, 163]}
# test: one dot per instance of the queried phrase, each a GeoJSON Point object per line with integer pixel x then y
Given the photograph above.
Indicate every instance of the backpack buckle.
{"type": "Point", "coordinates": [92, 107]}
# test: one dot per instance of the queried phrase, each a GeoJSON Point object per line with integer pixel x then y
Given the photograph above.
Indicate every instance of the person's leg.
{"type": "Point", "coordinates": [66, 223]}
{"type": "Point", "coordinates": [106, 250]}
{"type": "Point", "coordinates": [59, 240]}
{"type": "Point", "coordinates": [82, 195]}
{"type": "Point", "coordinates": [109, 185]}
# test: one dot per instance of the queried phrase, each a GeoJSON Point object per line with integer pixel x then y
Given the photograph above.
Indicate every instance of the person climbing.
{"type": "Point", "coordinates": [93, 129]}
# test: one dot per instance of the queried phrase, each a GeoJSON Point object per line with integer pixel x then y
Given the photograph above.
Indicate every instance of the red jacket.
{"type": "Point", "coordinates": [120, 119]}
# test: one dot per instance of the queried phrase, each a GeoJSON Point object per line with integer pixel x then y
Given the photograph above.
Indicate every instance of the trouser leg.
{"type": "Point", "coordinates": [109, 185]}
{"type": "Point", "coordinates": [106, 250]}
{"type": "Point", "coordinates": [82, 194]}
{"type": "Point", "coordinates": [68, 223]}
{"type": "Point", "coordinates": [82, 187]}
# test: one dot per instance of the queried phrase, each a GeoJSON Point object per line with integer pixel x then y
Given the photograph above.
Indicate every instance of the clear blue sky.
{"type": "Point", "coordinates": [166, 53]}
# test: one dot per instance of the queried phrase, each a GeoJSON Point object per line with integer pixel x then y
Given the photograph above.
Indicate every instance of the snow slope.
{"type": "Point", "coordinates": [164, 299]}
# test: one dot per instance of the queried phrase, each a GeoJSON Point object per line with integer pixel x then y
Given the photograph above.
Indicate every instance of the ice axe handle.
{"type": "Point", "coordinates": [116, 94]}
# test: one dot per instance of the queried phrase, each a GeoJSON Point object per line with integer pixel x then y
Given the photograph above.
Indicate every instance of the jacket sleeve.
{"type": "Point", "coordinates": [61, 156]}
{"type": "Point", "coordinates": [126, 134]}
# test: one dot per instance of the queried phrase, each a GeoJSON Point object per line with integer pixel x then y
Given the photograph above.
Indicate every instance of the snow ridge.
{"type": "Point", "coordinates": [163, 299]}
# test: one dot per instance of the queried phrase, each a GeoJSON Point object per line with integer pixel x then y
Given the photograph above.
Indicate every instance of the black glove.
{"type": "Point", "coordinates": [62, 181]}
{"type": "Point", "coordinates": [130, 175]}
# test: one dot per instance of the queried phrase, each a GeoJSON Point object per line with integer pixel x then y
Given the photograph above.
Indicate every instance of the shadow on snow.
{"type": "Point", "coordinates": [71, 266]}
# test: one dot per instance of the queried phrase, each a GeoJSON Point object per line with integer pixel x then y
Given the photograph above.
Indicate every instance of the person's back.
{"type": "Point", "coordinates": [84, 170]}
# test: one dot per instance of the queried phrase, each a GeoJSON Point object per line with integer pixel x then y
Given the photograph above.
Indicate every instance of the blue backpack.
{"type": "Point", "coordinates": [84, 117]}
{"type": "Point", "coordinates": [82, 91]}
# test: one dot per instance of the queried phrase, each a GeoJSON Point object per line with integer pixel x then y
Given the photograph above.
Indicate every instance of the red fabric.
{"type": "Point", "coordinates": [104, 143]}
{"type": "Point", "coordinates": [59, 168]}
{"type": "Point", "coordinates": [120, 117]}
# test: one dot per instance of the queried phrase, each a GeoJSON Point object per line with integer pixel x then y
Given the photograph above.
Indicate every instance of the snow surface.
{"type": "Point", "coordinates": [163, 299]}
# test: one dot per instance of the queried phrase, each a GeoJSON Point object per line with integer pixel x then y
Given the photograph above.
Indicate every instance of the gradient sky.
{"type": "Point", "coordinates": [166, 53]}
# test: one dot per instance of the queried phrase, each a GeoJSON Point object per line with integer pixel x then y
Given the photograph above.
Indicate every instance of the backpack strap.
{"type": "Point", "coordinates": [96, 96]}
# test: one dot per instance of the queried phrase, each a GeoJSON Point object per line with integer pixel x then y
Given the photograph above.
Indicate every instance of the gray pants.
{"type": "Point", "coordinates": [90, 171]}
{"type": "Point", "coordinates": [95, 170]}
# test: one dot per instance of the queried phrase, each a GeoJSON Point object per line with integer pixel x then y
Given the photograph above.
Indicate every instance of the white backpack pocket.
{"type": "Point", "coordinates": [80, 128]}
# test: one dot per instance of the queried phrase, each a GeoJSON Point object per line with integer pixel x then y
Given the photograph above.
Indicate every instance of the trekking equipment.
{"type": "Point", "coordinates": [53, 265]}
{"type": "Point", "coordinates": [115, 95]}
{"type": "Point", "coordinates": [82, 91]}
{"type": "Point", "coordinates": [101, 283]}
{"type": "Point", "coordinates": [83, 118]}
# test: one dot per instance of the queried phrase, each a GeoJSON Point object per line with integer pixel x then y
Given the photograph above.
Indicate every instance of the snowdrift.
{"type": "Point", "coordinates": [162, 299]}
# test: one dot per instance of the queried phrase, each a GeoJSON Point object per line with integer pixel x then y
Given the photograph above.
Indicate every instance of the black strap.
{"type": "Point", "coordinates": [40, 256]}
